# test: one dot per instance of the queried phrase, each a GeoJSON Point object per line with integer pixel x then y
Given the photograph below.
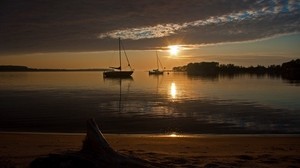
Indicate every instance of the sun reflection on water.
{"type": "Point", "coordinates": [173, 90]}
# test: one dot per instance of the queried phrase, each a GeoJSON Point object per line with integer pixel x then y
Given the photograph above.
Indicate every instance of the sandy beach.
{"type": "Point", "coordinates": [19, 149]}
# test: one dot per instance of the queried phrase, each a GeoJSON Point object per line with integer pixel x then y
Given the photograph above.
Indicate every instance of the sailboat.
{"type": "Point", "coordinates": [117, 72]}
{"type": "Point", "coordinates": [157, 71]}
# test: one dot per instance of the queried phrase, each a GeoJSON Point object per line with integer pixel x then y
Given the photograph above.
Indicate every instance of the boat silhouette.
{"type": "Point", "coordinates": [157, 71]}
{"type": "Point", "coordinates": [118, 72]}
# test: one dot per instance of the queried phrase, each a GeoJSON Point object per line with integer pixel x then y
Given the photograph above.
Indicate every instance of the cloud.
{"type": "Point", "coordinates": [144, 32]}
{"type": "Point", "coordinates": [289, 10]}
{"type": "Point", "coordinates": [92, 25]}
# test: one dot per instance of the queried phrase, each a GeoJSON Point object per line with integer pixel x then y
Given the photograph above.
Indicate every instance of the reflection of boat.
{"type": "Point", "coordinates": [157, 71]}
{"type": "Point", "coordinates": [118, 82]}
{"type": "Point", "coordinates": [117, 79]}
{"type": "Point", "coordinates": [117, 72]}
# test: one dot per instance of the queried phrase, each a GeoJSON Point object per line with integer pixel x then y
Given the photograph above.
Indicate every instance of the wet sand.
{"type": "Point", "coordinates": [19, 149]}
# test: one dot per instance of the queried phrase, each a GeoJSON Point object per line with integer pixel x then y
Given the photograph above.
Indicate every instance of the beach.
{"type": "Point", "coordinates": [19, 149]}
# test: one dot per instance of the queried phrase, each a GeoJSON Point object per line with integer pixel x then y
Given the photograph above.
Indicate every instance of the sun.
{"type": "Point", "coordinates": [174, 50]}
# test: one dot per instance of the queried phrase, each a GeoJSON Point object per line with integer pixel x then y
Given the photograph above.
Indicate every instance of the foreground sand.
{"type": "Point", "coordinates": [18, 150]}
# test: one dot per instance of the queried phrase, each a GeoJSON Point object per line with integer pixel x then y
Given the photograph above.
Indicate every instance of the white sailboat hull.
{"type": "Point", "coordinates": [156, 72]}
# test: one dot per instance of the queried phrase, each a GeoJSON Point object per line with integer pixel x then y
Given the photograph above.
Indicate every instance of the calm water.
{"type": "Point", "coordinates": [63, 101]}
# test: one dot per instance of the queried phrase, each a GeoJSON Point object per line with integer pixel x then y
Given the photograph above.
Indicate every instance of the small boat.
{"type": "Point", "coordinates": [117, 72]}
{"type": "Point", "coordinates": [157, 71]}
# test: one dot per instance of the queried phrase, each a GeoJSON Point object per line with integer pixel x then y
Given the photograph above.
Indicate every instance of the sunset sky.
{"type": "Point", "coordinates": [84, 33]}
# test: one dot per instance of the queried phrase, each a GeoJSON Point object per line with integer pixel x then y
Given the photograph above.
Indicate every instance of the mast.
{"type": "Point", "coordinates": [120, 54]}
{"type": "Point", "coordinates": [157, 61]}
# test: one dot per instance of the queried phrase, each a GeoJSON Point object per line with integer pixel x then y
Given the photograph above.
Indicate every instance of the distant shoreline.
{"type": "Point", "coordinates": [16, 68]}
{"type": "Point", "coordinates": [287, 70]}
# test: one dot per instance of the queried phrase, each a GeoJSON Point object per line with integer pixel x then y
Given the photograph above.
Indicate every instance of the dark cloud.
{"type": "Point", "coordinates": [90, 25]}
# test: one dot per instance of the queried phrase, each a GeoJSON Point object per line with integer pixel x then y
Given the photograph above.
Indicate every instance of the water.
{"type": "Point", "coordinates": [175, 102]}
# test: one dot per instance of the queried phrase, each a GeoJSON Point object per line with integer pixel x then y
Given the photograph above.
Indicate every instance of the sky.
{"type": "Point", "coordinates": [84, 33]}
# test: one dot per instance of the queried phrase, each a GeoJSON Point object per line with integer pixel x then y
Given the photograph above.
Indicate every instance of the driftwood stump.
{"type": "Point", "coordinates": [95, 153]}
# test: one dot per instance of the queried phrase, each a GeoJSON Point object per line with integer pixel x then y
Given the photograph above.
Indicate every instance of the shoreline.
{"type": "Point", "coordinates": [174, 134]}
{"type": "Point", "coordinates": [19, 149]}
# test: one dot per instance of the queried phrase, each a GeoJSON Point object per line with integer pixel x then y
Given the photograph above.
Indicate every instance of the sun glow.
{"type": "Point", "coordinates": [173, 134]}
{"type": "Point", "coordinates": [174, 50]}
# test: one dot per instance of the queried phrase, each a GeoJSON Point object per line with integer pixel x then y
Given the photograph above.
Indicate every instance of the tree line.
{"type": "Point", "coordinates": [289, 70]}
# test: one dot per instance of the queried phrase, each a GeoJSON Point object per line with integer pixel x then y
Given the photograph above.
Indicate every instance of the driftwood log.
{"type": "Point", "coordinates": [95, 153]}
